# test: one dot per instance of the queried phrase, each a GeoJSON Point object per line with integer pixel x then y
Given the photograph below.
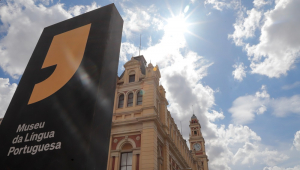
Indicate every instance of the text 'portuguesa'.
{"type": "Point", "coordinates": [31, 137]}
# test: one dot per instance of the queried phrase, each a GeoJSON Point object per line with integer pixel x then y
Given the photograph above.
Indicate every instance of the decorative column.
{"type": "Point", "coordinates": [115, 160]}
{"type": "Point", "coordinates": [149, 146]}
{"type": "Point", "coordinates": [135, 159]}
{"type": "Point", "coordinates": [138, 162]}
{"type": "Point", "coordinates": [166, 155]}
{"type": "Point", "coordinates": [113, 163]}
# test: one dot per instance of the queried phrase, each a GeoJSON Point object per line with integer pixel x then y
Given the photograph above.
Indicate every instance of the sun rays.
{"type": "Point", "coordinates": [177, 25]}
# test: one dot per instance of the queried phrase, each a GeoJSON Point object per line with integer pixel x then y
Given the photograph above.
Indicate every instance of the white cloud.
{"type": "Point", "coordinates": [23, 22]}
{"type": "Point", "coordinates": [237, 146]}
{"type": "Point", "coordinates": [279, 45]}
{"type": "Point", "coordinates": [219, 154]}
{"type": "Point", "coordinates": [222, 148]}
{"type": "Point", "coordinates": [279, 42]}
{"type": "Point", "coordinates": [245, 28]}
{"type": "Point", "coordinates": [138, 19]}
{"type": "Point", "coordinates": [239, 73]}
{"type": "Point", "coordinates": [243, 109]}
{"type": "Point", "coordinates": [80, 9]}
{"type": "Point", "coordinates": [223, 4]}
{"type": "Point", "coordinates": [250, 154]}
{"type": "Point", "coordinates": [284, 106]}
{"type": "Point", "coordinates": [280, 168]}
{"type": "Point", "coordinates": [296, 141]}
{"type": "Point", "coordinates": [214, 115]}
{"type": "Point", "coordinates": [261, 3]}
{"type": "Point", "coordinates": [7, 91]}
{"type": "Point", "coordinates": [46, 2]}
{"type": "Point", "coordinates": [127, 51]}
{"type": "Point", "coordinates": [294, 85]}
{"type": "Point", "coordinates": [237, 134]}
{"type": "Point", "coordinates": [263, 93]}
{"type": "Point", "coordinates": [181, 77]}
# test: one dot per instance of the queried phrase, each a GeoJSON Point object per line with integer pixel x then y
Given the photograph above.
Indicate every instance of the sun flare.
{"type": "Point", "coordinates": [176, 25]}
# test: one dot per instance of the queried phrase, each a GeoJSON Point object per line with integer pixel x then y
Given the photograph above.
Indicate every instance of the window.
{"type": "Point", "coordinates": [131, 78]}
{"type": "Point", "coordinates": [195, 132]}
{"type": "Point", "coordinates": [121, 101]}
{"type": "Point", "coordinates": [139, 98]}
{"type": "Point", "coordinates": [130, 100]}
{"type": "Point", "coordinates": [126, 161]}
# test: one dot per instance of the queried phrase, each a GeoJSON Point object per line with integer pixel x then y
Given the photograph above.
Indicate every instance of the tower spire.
{"type": "Point", "coordinates": [193, 109]}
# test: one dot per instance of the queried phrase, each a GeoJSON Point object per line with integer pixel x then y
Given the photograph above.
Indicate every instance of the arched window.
{"type": "Point", "coordinates": [130, 100]}
{"type": "Point", "coordinates": [121, 101]}
{"type": "Point", "coordinates": [127, 146]}
{"type": "Point", "coordinates": [139, 100]}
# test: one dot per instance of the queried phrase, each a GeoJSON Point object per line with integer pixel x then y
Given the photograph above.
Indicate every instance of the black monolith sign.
{"type": "Point", "coordinates": [60, 115]}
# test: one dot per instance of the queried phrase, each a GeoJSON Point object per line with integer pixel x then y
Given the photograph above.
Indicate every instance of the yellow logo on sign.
{"type": "Point", "coordinates": [66, 52]}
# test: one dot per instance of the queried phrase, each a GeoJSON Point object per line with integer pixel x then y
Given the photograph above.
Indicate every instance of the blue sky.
{"type": "Point", "coordinates": [234, 62]}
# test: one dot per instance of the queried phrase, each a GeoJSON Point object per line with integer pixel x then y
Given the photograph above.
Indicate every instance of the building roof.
{"type": "Point", "coordinates": [143, 64]}
{"type": "Point", "coordinates": [194, 117]}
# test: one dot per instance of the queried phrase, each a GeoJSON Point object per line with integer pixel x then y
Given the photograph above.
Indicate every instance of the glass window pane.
{"type": "Point", "coordinates": [129, 167]}
{"type": "Point", "coordinates": [123, 168]}
{"type": "Point", "coordinates": [129, 159]}
{"type": "Point", "coordinates": [123, 159]}
{"type": "Point", "coordinates": [130, 96]}
{"type": "Point", "coordinates": [131, 78]}
{"type": "Point", "coordinates": [121, 101]}
{"type": "Point", "coordinates": [139, 98]}
{"type": "Point", "coordinates": [130, 99]}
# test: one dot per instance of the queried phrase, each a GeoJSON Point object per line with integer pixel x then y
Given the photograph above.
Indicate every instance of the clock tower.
{"type": "Point", "coordinates": [197, 144]}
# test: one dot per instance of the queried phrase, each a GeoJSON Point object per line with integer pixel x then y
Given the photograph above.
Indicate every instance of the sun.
{"type": "Point", "coordinates": [176, 25]}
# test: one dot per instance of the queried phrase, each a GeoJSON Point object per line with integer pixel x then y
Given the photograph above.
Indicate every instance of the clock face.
{"type": "Point", "coordinates": [197, 146]}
